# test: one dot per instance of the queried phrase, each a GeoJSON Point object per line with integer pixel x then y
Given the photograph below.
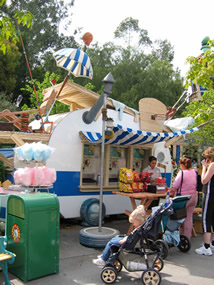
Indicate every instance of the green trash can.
{"type": "Point", "coordinates": [32, 229]}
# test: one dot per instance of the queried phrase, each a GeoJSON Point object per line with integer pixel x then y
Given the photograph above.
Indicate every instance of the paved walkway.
{"type": "Point", "coordinates": [76, 266]}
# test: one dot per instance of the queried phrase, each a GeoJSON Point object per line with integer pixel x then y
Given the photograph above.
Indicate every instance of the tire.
{"type": "Point", "coordinates": [91, 237]}
{"type": "Point", "coordinates": [118, 265]}
{"type": "Point", "coordinates": [158, 264]}
{"type": "Point", "coordinates": [163, 246]}
{"type": "Point", "coordinates": [109, 275]}
{"type": "Point", "coordinates": [184, 244]}
{"type": "Point", "coordinates": [151, 277]}
{"type": "Point", "coordinates": [89, 211]}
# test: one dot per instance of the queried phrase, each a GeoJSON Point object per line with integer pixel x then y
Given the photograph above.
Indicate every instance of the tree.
{"type": "Point", "coordinates": [6, 102]}
{"type": "Point", "coordinates": [8, 32]}
{"type": "Point", "coordinates": [202, 73]}
{"type": "Point", "coordinates": [8, 67]}
{"type": "Point", "coordinates": [42, 40]}
{"type": "Point", "coordinates": [58, 107]}
{"type": "Point", "coordinates": [128, 28]}
{"type": "Point", "coordinates": [137, 74]}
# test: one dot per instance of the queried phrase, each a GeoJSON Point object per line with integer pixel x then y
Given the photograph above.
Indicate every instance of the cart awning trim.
{"type": "Point", "coordinates": [128, 136]}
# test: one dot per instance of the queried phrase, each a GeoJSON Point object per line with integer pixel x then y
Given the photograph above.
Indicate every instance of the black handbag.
{"type": "Point", "coordinates": [179, 214]}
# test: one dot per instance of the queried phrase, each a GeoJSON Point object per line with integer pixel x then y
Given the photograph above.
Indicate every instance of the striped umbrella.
{"type": "Point", "coordinates": [75, 61]}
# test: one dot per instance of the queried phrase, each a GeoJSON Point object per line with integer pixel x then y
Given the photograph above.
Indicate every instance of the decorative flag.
{"type": "Point", "coordinates": [53, 81]}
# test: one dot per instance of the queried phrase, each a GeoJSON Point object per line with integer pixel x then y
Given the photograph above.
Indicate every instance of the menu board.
{"type": "Point", "coordinates": [138, 153]}
{"type": "Point", "coordinates": [88, 150]}
{"type": "Point", "coordinates": [115, 152]}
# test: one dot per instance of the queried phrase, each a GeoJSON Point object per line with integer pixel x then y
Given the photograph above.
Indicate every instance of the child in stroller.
{"type": "Point", "coordinates": [138, 252]}
{"type": "Point", "coordinates": [136, 218]}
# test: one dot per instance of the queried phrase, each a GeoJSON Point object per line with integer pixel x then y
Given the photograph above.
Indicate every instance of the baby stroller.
{"type": "Point", "coordinates": [139, 252]}
{"type": "Point", "coordinates": [170, 226]}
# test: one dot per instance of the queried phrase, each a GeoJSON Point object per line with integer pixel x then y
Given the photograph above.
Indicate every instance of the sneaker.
{"type": "Point", "coordinates": [99, 261]}
{"type": "Point", "coordinates": [99, 256]}
{"type": "Point", "coordinates": [204, 251]}
{"type": "Point", "coordinates": [212, 247]}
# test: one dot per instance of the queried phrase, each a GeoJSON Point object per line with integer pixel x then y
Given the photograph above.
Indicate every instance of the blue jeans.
{"type": "Point", "coordinates": [106, 252]}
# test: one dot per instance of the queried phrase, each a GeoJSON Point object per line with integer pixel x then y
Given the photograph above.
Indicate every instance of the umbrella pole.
{"type": "Point", "coordinates": [102, 165]}
{"type": "Point", "coordinates": [63, 84]}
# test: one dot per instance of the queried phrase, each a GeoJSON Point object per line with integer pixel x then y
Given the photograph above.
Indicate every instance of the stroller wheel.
{"type": "Point", "coordinates": [163, 246]}
{"type": "Point", "coordinates": [118, 265]}
{"type": "Point", "coordinates": [158, 264]}
{"type": "Point", "coordinates": [109, 275]}
{"type": "Point", "coordinates": [151, 277]}
{"type": "Point", "coordinates": [184, 244]}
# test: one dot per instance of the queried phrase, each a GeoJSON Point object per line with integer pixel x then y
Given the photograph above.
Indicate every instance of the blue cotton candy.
{"type": "Point", "coordinates": [38, 154]}
{"type": "Point", "coordinates": [27, 151]}
{"type": "Point", "coordinates": [46, 154]}
{"type": "Point", "coordinates": [19, 153]}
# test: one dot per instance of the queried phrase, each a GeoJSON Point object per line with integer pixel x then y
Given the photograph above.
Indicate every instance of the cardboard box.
{"type": "Point", "coordinates": [197, 223]}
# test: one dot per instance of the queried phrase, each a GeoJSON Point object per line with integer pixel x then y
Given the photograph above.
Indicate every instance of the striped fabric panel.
{"type": "Point", "coordinates": [128, 136]}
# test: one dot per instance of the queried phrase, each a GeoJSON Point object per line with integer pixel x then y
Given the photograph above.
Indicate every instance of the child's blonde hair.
{"type": "Point", "coordinates": [138, 214]}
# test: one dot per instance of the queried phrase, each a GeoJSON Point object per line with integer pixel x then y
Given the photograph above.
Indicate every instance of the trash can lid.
{"type": "Point", "coordinates": [29, 202]}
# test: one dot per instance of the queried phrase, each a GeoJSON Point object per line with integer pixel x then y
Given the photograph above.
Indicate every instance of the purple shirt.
{"type": "Point", "coordinates": [189, 182]}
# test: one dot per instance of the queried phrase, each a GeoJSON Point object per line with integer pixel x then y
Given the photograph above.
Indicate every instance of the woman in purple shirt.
{"type": "Point", "coordinates": [188, 187]}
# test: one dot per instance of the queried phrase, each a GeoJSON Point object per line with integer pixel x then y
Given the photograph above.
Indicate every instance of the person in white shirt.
{"type": "Point", "coordinates": [151, 168]}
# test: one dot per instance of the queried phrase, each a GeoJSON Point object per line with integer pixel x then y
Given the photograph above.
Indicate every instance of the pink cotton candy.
{"type": "Point", "coordinates": [17, 177]}
{"type": "Point", "coordinates": [39, 176]}
{"type": "Point", "coordinates": [23, 176]}
{"type": "Point", "coordinates": [27, 176]}
{"type": "Point", "coordinates": [50, 175]}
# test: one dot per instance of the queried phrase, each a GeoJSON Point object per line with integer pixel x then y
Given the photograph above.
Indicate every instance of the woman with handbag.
{"type": "Point", "coordinates": [207, 179]}
{"type": "Point", "coordinates": [186, 184]}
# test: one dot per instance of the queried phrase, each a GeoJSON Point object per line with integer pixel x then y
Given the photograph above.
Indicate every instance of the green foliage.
{"type": "Point", "coordinates": [127, 30]}
{"type": "Point", "coordinates": [42, 40]}
{"type": "Point", "coordinates": [36, 99]}
{"type": "Point", "coordinates": [137, 75]}
{"type": "Point", "coordinates": [9, 63]}
{"type": "Point", "coordinates": [8, 33]}
{"type": "Point", "coordinates": [6, 102]}
{"type": "Point", "coordinates": [24, 18]}
{"type": "Point", "coordinates": [202, 72]}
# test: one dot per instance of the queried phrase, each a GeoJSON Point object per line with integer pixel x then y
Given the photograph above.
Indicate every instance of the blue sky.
{"type": "Point", "coordinates": [184, 23]}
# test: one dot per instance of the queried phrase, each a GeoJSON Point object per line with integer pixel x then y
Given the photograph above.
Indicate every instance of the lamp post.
{"type": "Point", "coordinates": [97, 236]}
{"type": "Point", "coordinates": [108, 82]}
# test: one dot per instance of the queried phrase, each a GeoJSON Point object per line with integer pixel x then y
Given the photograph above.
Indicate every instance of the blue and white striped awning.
{"type": "Point", "coordinates": [127, 136]}
{"type": "Point", "coordinates": [75, 61]}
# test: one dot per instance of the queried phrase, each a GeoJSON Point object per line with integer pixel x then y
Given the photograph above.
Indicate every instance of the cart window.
{"type": "Point", "coordinates": [118, 159]}
{"type": "Point", "coordinates": [91, 164]}
{"type": "Point", "coordinates": [140, 159]}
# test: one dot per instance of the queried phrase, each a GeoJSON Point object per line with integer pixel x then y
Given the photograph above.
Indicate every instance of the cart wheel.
{"type": "Point", "coordinates": [109, 275]}
{"type": "Point", "coordinates": [158, 264]}
{"type": "Point", "coordinates": [118, 265]}
{"type": "Point", "coordinates": [151, 277]}
{"type": "Point", "coordinates": [163, 246]}
{"type": "Point", "coordinates": [184, 244]}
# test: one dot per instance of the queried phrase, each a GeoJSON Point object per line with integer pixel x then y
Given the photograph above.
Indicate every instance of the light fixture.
{"type": "Point", "coordinates": [109, 133]}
